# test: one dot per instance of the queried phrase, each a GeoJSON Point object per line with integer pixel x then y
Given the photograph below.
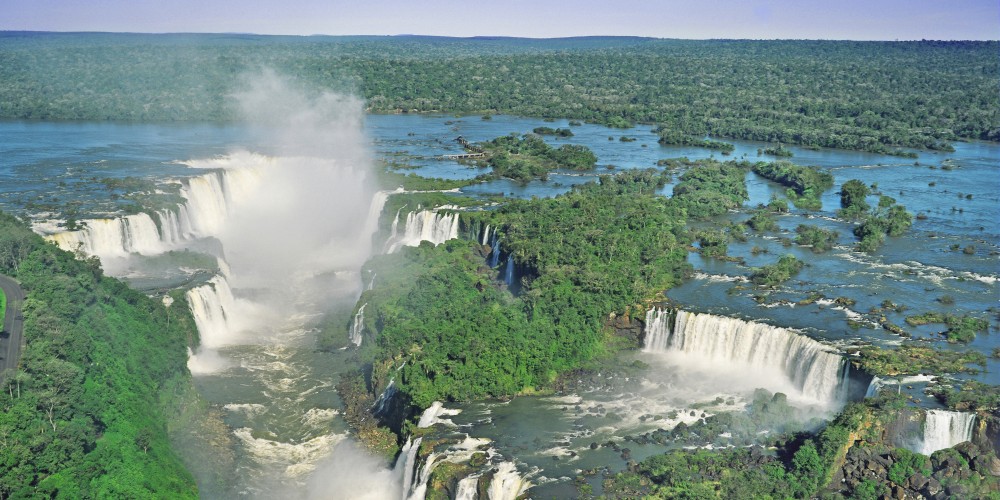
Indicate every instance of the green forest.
{"type": "Point", "coordinates": [85, 415]}
{"type": "Point", "coordinates": [871, 96]}
{"type": "Point", "coordinates": [603, 248]}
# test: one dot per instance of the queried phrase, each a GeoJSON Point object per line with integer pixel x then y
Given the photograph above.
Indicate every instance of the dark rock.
{"type": "Point", "coordinates": [916, 482]}
{"type": "Point", "coordinates": [932, 488]}
{"type": "Point", "coordinates": [593, 446]}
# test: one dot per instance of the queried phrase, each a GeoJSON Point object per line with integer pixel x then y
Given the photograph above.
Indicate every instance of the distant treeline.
{"type": "Point", "coordinates": [872, 96]}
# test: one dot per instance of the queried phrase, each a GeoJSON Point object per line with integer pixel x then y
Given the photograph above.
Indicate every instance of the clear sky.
{"type": "Point", "coordinates": [824, 19]}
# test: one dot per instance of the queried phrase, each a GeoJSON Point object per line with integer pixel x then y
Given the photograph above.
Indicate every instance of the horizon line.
{"type": "Point", "coordinates": [472, 37]}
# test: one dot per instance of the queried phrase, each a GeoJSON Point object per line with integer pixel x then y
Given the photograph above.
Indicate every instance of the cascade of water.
{"type": "Point", "coordinates": [211, 305]}
{"type": "Point", "coordinates": [432, 415]}
{"type": "Point", "coordinates": [811, 366]}
{"type": "Point", "coordinates": [486, 236]}
{"type": "Point", "coordinates": [467, 488]}
{"type": "Point", "coordinates": [371, 282]}
{"type": "Point", "coordinates": [419, 490]}
{"type": "Point", "coordinates": [507, 484]}
{"type": "Point", "coordinates": [358, 328]}
{"type": "Point", "coordinates": [944, 429]}
{"type": "Point", "coordinates": [508, 276]}
{"type": "Point", "coordinates": [494, 251]}
{"type": "Point", "coordinates": [427, 225]}
{"type": "Point", "coordinates": [207, 199]}
{"type": "Point", "coordinates": [394, 232]}
{"type": "Point", "coordinates": [383, 399]}
{"type": "Point", "coordinates": [406, 464]}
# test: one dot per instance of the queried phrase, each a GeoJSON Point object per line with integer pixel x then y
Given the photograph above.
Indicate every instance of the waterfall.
{"type": "Point", "coordinates": [486, 236]}
{"type": "Point", "coordinates": [811, 366]}
{"type": "Point", "coordinates": [426, 225]}
{"type": "Point", "coordinates": [358, 328]}
{"type": "Point", "coordinates": [108, 238]}
{"type": "Point", "coordinates": [508, 276]}
{"type": "Point", "coordinates": [467, 488]}
{"type": "Point", "coordinates": [419, 490]}
{"type": "Point", "coordinates": [383, 399]}
{"type": "Point", "coordinates": [406, 464]}
{"type": "Point", "coordinates": [207, 201]}
{"type": "Point", "coordinates": [944, 429]}
{"type": "Point", "coordinates": [494, 251]}
{"type": "Point", "coordinates": [393, 233]}
{"type": "Point", "coordinates": [375, 210]}
{"type": "Point", "coordinates": [507, 484]}
{"type": "Point", "coordinates": [371, 282]}
{"type": "Point", "coordinates": [212, 305]}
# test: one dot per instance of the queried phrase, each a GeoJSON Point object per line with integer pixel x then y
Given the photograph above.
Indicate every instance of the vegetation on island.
{"type": "Point", "coordinates": [778, 150]}
{"type": "Point", "coordinates": [887, 219]}
{"type": "Point", "coordinates": [84, 415]}
{"type": "Point", "coordinates": [805, 184]}
{"type": "Point", "coordinates": [558, 132]}
{"type": "Point", "coordinates": [775, 274]}
{"type": "Point", "coordinates": [961, 329]}
{"type": "Point", "coordinates": [678, 138]}
{"type": "Point", "coordinates": [819, 239]}
{"type": "Point", "coordinates": [853, 200]}
{"type": "Point", "coordinates": [910, 359]}
{"type": "Point", "coordinates": [709, 188]}
{"type": "Point", "coordinates": [528, 157]}
{"type": "Point", "coordinates": [600, 249]}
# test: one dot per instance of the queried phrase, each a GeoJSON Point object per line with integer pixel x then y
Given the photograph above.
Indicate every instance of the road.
{"type": "Point", "coordinates": [13, 326]}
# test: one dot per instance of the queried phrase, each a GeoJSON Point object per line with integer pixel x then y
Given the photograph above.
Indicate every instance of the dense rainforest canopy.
{"type": "Point", "coordinates": [85, 415]}
{"type": "Point", "coordinates": [870, 96]}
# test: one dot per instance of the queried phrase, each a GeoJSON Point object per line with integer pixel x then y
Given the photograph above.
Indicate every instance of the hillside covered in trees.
{"type": "Point", "coordinates": [85, 416]}
{"type": "Point", "coordinates": [872, 96]}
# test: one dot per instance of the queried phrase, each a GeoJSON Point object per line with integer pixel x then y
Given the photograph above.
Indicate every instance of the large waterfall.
{"type": "Point", "coordinates": [426, 225]}
{"type": "Point", "coordinates": [208, 198]}
{"type": "Point", "coordinates": [944, 429]}
{"type": "Point", "coordinates": [212, 306]}
{"type": "Point", "coordinates": [118, 237]}
{"type": "Point", "coordinates": [813, 368]}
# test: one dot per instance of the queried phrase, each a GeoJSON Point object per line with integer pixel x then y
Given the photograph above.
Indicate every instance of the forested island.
{"type": "Point", "coordinates": [468, 299]}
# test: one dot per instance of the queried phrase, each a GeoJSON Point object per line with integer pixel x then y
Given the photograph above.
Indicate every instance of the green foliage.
{"type": "Point", "coordinates": [805, 184]}
{"type": "Point", "coordinates": [669, 137]}
{"type": "Point", "coordinates": [886, 219]}
{"type": "Point", "coordinates": [559, 132]}
{"type": "Point", "coordinates": [960, 328]}
{"type": "Point", "coordinates": [709, 188]}
{"type": "Point", "coordinates": [853, 203]}
{"type": "Point", "coordinates": [818, 238]}
{"type": "Point", "coordinates": [907, 464]}
{"type": "Point", "coordinates": [777, 273]}
{"type": "Point", "coordinates": [915, 94]}
{"type": "Point", "coordinates": [529, 157]}
{"type": "Point", "coordinates": [913, 360]}
{"type": "Point", "coordinates": [83, 417]}
{"type": "Point", "coordinates": [778, 150]}
{"type": "Point", "coordinates": [712, 243]}
{"type": "Point", "coordinates": [761, 222]}
{"type": "Point", "coordinates": [968, 395]}
{"type": "Point", "coordinates": [455, 334]}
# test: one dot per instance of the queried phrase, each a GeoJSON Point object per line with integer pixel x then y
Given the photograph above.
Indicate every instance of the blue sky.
{"type": "Point", "coordinates": [824, 19]}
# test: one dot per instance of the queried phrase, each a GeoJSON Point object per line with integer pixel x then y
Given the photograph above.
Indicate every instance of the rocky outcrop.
{"type": "Point", "coordinates": [628, 328]}
{"type": "Point", "coordinates": [965, 471]}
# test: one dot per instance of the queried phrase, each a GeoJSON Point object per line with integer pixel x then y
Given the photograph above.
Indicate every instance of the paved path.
{"type": "Point", "coordinates": [13, 326]}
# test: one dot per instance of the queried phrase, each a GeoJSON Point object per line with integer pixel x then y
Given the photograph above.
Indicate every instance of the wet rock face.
{"type": "Point", "coordinates": [965, 471]}
{"type": "Point", "coordinates": [631, 329]}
